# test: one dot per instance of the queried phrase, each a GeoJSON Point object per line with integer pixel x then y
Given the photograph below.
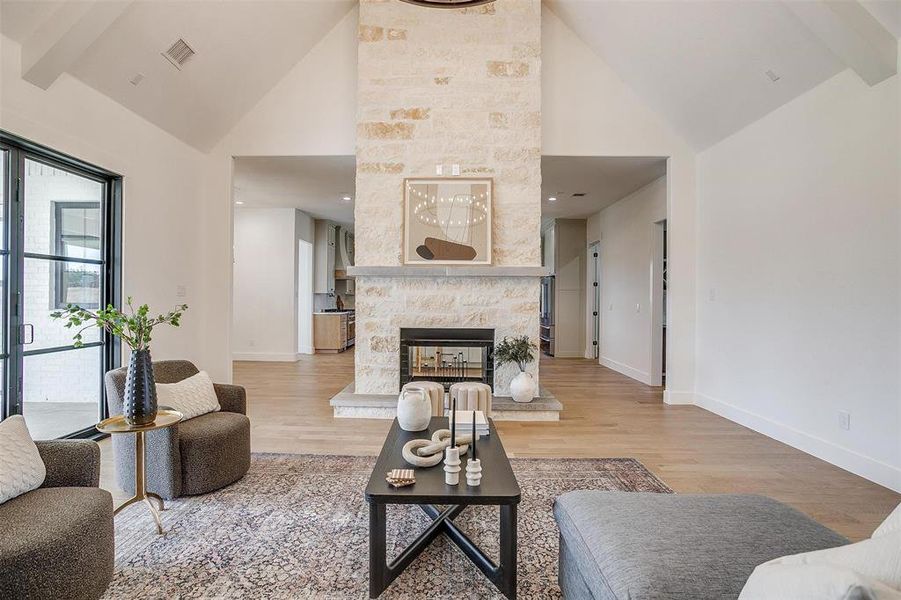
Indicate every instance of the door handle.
{"type": "Point", "coordinates": [30, 330]}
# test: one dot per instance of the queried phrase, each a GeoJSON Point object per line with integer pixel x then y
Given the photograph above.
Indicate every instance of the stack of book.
{"type": "Point", "coordinates": [464, 422]}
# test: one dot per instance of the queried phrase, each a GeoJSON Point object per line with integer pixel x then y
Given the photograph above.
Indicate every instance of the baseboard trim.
{"type": "Point", "coordinates": [626, 370]}
{"type": "Point", "coordinates": [849, 460]}
{"type": "Point", "coordinates": [266, 356]}
{"type": "Point", "coordinates": [678, 398]}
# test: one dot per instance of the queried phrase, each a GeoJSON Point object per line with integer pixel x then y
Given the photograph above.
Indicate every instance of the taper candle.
{"type": "Point", "coordinates": [453, 443]}
{"type": "Point", "coordinates": [474, 435]}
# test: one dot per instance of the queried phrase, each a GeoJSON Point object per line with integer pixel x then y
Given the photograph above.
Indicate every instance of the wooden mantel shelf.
{"type": "Point", "coordinates": [447, 271]}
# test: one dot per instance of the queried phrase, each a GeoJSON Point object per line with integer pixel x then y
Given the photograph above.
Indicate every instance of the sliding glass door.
{"type": "Point", "coordinates": [62, 229]}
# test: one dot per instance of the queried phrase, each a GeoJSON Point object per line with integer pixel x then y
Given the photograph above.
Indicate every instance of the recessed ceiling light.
{"type": "Point", "coordinates": [346, 198]}
{"type": "Point", "coordinates": [238, 202]}
{"type": "Point", "coordinates": [552, 199]}
{"type": "Point", "coordinates": [137, 79]}
{"type": "Point", "coordinates": [773, 76]}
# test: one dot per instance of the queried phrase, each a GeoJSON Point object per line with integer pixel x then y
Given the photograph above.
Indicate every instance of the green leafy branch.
{"type": "Point", "coordinates": [518, 350]}
{"type": "Point", "coordinates": [133, 328]}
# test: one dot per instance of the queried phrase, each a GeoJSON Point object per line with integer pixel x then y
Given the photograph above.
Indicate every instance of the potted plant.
{"type": "Point", "coordinates": [134, 328]}
{"type": "Point", "coordinates": [519, 351]}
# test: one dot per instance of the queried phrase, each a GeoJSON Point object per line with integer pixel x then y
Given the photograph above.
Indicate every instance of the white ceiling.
{"type": "Point", "coordinates": [314, 184]}
{"type": "Point", "coordinates": [244, 47]}
{"type": "Point", "coordinates": [702, 64]}
{"type": "Point", "coordinates": [604, 180]}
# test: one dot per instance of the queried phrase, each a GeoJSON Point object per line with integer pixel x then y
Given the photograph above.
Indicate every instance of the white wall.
{"type": "Point", "coordinates": [310, 112]}
{"type": "Point", "coordinates": [266, 282]}
{"type": "Point", "coordinates": [588, 111]}
{"type": "Point", "coordinates": [626, 230]}
{"type": "Point", "coordinates": [162, 182]}
{"type": "Point", "coordinates": [798, 294]}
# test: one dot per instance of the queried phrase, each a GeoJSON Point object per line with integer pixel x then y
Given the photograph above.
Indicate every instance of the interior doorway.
{"type": "Point", "coordinates": [594, 302]}
{"type": "Point", "coordinates": [658, 303]}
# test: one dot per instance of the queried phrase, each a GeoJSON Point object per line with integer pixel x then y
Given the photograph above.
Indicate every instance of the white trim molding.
{"type": "Point", "coordinates": [677, 398]}
{"type": "Point", "coordinates": [637, 374]}
{"type": "Point", "coordinates": [869, 468]}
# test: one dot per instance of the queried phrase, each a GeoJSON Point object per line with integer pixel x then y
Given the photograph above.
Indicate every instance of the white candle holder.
{"type": "Point", "coordinates": [452, 466]}
{"type": "Point", "coordinates": [473, 472]}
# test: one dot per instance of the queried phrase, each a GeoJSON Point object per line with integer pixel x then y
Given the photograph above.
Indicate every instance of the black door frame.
{"type": "Point", "coordinates": [11, 347]}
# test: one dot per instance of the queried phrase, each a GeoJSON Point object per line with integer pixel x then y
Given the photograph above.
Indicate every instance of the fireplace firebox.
{"type": "Point", "coordinates": [447, 356]}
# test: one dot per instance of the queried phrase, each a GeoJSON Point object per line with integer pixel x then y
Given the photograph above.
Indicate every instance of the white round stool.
{"type": "Point", "coordinates": [472, 395]}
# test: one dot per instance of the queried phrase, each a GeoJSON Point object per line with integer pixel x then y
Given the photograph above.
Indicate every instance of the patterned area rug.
{"type": "Point", "coordinates": [297, 526]}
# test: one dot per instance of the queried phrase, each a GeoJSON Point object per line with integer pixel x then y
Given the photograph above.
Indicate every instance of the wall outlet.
{"type": "Point", "coordinates": [712, 295]}
{"type": "Point", "coordinates": [611, 306]}
{"type": "Point", "coordinates": [181, 291]}
{"type": "Point", "coordinates": [638, 307]}
{"type": "Point", "coordinates": [844, 420]}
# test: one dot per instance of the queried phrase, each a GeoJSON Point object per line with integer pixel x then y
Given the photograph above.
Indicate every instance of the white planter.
{"type": "Point", "coordinates": [522, 388]}
{"type": "Point", "coordinates": [414, 409]}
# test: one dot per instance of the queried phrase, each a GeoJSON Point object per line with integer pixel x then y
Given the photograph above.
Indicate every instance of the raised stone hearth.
{"type": "Point", "coordinates": [347, 404]}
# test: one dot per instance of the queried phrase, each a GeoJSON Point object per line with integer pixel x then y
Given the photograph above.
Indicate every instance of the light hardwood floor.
{"type": "Point", "coordinates": [605, 415]}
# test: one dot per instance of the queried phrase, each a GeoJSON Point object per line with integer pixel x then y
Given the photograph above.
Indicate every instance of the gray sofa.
{"type": "Point", "coordinates": [57, 541]}
{"type": "Point", "coordinates": [196, 456]}
{"type": "Point", "coordinates": [644, 546]}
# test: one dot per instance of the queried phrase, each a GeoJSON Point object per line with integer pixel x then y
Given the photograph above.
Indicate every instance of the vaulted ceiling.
{"type": "Point", "coordinates": [710, 67]}
{"type": "Point", "coordinates": [713, 67]}
{"type": "Point", "coordinates": [243, 48]}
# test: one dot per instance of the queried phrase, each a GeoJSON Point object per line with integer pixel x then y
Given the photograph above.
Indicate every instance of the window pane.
{"type": "Point", "coordinates": [61, 392]}
{"type": "Point", "coordinates": [49, 285]}
{"type": "Point", "coordinates": [4, 195]}
{"type": "Point", "coordinates": [62, 212]}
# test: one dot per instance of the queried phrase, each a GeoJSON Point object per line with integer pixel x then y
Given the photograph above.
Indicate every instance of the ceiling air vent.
{"type": "Point", "coordinates": [579, 195]}
{"type": "Point", "coordinates": [179, 53]}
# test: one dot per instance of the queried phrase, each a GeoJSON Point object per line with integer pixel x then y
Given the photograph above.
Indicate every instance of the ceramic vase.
{"type": "Point", "coordinates": [522, 388]}
{"type": "Point", "coordinates": [139, 404]}
{"type": "Point", "coordinates": [414, 409]}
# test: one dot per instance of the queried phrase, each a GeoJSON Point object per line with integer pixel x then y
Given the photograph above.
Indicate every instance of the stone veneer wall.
{"type": "Point", "coordinates": [439, 86]}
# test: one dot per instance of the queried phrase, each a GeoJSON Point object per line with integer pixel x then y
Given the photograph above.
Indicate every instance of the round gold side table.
{"type": "Point", "coordinates": [117, 424]}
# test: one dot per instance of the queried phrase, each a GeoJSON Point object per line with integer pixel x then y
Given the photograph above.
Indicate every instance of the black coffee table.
{"type": "Point", "coordinates": [498, 487]}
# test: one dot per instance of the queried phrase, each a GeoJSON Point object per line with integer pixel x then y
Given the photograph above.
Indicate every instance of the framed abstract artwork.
{"type": "Point", "coordinates": [447, 221]}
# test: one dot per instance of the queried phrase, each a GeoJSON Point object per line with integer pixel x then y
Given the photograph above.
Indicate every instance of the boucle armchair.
{"type": "Point", "coordinates": [57, 541]}
{"type": "Point", "coordinates": [195, 456]}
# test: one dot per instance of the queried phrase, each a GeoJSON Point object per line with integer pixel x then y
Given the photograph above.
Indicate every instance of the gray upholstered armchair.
{"type": "Point", "coordinates": [57, 541]}
{"type": "Point", "coordinates": [194, 457]}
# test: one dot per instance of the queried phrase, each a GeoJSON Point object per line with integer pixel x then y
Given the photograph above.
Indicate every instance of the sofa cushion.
{"type": "Point", "coordinates": [215, 451]}
{"type": "Point", "coordinates": [642, 545]}
{"type": "Point", "coordinates": [57, 543]}
{"type": "Point", "coordinates": [892, 523]}
{"type": "Point", "coordinates": [21, 466]}
{"type": "Point", "coordinates": [191, 397]}
{"type": "Point", "coordinates": [824, 573]}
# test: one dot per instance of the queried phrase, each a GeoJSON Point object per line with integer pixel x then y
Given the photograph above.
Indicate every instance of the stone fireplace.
{"type": "Point", "coordinates": [446, 87]}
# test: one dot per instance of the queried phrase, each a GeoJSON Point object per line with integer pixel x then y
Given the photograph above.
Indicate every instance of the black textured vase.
{"type": "Point", "coordinates": [139, 406]}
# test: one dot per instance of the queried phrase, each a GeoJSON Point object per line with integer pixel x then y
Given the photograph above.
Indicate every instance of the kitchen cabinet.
{"type": "Point", "coordinates": [564, 251]}
{"type": "Point", "coordinates": [324, 258]}
{"type": "Point", "coordinates": [333, 331]}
